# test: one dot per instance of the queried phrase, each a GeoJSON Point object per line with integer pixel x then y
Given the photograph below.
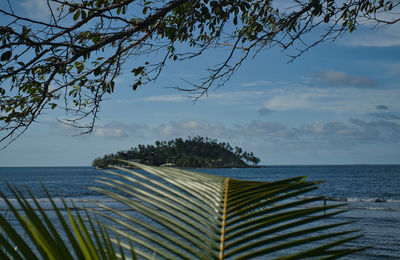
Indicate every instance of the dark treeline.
{"type": "Point", "coordinates": [192, 152]}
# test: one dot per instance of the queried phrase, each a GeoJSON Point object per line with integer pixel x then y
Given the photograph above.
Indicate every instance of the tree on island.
{"type": "Point", "coordinates": [193, 152]}
{"type": "Point", "coordinates": [72, 59]}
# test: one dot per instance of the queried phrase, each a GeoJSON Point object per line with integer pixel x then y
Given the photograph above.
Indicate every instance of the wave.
{"type": "Point", "coordinates": [373, 204]}
{"type": "Point", "coordinates": [353, 199]}
{"type": "Point", "coordinates": [72, 203]}
{"type": "Point", "coordinates": [374, 208]}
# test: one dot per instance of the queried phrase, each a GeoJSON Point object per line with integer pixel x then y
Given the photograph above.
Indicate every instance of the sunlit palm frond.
{"type": "Point", "coordinates": [178, 214]}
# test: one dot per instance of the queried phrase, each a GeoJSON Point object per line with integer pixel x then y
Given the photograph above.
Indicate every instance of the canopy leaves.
{"type": "Point", "coordinates": [196, 152]}
{"type": "Point", "coordinates": [72, 58]}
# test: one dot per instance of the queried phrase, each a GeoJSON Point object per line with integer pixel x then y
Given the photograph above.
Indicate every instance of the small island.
{"type": "Point", "coordinates": [197, 152]}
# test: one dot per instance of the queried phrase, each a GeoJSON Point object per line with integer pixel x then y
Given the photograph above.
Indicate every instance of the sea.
{"type": "Point", "coordinates": [371, 194]}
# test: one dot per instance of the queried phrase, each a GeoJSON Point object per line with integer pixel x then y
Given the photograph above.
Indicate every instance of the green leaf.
{"type": "Point", "coordinates": [138, 70]}
{"type": "Point", "coordinates": [97, 71]}
{"type": "Point", "coordinates": [76, 15]}
{"type": "Point", "coordinates": [83, 14]}
{"type": "Point", "coordinates": [6, 56]}
{"type": "Point", "coordinates": [136, 84]}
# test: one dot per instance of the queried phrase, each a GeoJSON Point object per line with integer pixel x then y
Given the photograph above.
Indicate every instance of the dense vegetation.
{"type": "Point", "coordinates": [193, 152]}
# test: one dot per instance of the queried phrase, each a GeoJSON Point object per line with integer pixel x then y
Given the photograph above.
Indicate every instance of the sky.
{"type": "Point", "coordinates": [336, 104]}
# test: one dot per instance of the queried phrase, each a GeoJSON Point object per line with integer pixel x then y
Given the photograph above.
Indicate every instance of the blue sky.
{"type": "Point", "coordinates": [336, 104]}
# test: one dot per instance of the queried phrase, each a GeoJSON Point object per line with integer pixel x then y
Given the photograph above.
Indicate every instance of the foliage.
{"type": "Point", "coordinates": [176, 214]}
{"type": "Point", "coordinates": [77, 237]}
{"type": "Point", "coordinates": [192, 152]}
{"type": "Point", "coordinates": [72, 59]}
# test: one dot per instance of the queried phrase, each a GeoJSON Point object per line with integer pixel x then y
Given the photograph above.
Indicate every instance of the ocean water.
{"type": "Point", "coordinates": [372, 193]}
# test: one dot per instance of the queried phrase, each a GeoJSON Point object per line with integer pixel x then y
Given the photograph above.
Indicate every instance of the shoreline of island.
{"type": "Point", "coordinates": [196, 152]}
{"type": "Point", "coordinates": [132, 167]}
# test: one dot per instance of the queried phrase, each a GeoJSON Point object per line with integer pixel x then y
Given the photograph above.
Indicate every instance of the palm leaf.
{"type": "Point", "coordinates": [179, 214]}
{"type": "Point", "coordinates": [78, 237]}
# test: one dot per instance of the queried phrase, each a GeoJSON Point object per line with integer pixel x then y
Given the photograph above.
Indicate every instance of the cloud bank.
{"type": "Point", "coordinates": [342, 79]}
{"type": "Point", "coordinates": [355, 131]}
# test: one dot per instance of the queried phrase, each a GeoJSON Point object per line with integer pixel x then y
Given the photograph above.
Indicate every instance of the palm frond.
{"type": "Point", "coordinates": [179, 214]}
{"type": "Point", "coordinates": [38, 238]}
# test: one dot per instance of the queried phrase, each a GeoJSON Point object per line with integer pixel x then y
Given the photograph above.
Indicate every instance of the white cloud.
{"type": "Point", "coordinates": [339, 78]}
{"type": "Point", "coordinates": [355, 132]}
{"type": "Point", "coordinates": [264, 129]}
{"type": "Point", "coordinates": [230, 97]}
{"type": "Point", "coordinates": [370, 35]}
{"type": "Point", "coordinates": [37, 9]}
{"type": "Point", "coordinates": [120, 130]}
{"type": "Point", "coordinates": [260, 83]}
{"type": "Point", "coordinates": [110, 132]}
{"type": "Point", "coordinates": [385, 115]}
{"type": "Point", "coordinates": [338, 100]}
{"type": "Point", "coordinates": [379, 130]}
{"type": "Point", "coordinates": [264, 138]}
{"type": "Point", "coordinates": [165, 98]}
{"type": "Point", "coordinates": [322, 134]}
{"type": "Point", "coordinates": [382, 40]}
{"type": "Point", "coordinates": [295, 99]}
{"type": "Point", "coordinates": [236, 97]}
{"type": "Point", "coordinates": [330, 128]}
{"type": "Point", "coordinates": [255, 129]}
{"type": "Point", "coordinates": [184, 128]}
